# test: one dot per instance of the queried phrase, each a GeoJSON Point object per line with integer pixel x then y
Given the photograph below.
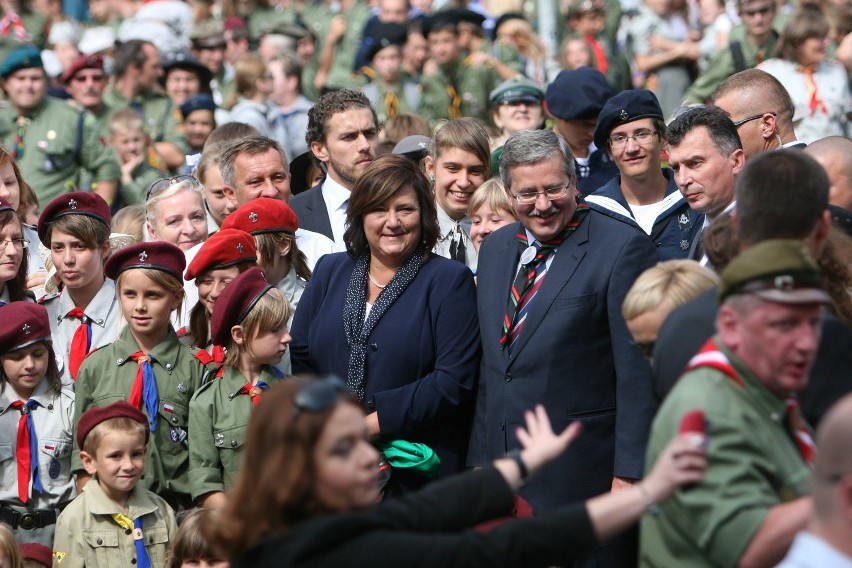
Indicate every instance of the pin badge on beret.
{"type": "Point", "coordinates": [240, 248]}
{"type": "Point", "coordinates": [26, 329]}
{"type": "Point", "coordinates": [253, 217]}
{"type": "Point", "coordinates": [623, 115]}
{"type": "Point", "coordinates": [143, 256]}
{"type": "Point", "coordinates": [72, 204]}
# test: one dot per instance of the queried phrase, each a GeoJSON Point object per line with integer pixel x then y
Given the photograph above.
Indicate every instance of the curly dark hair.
{"type": "Point", "coordinates": [330, 104]}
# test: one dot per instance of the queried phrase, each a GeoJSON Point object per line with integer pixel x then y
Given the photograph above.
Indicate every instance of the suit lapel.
{"type": "Point", "coordinates": [566, 260]}
{"type": "Point", "coordinates": [316, 205]}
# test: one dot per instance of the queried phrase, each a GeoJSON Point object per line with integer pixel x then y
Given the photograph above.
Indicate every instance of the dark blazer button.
{"type": "Point", "coordinates": [508, 377]}
{"type": "Point", "coordinates": [374, 346]}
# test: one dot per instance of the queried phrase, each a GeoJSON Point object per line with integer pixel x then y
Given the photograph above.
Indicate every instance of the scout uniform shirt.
{"type": "Point", "coordinates": [107, 376]}
{"type": "Point", "coordinates": [722, 64]}
{"type": "Point", "coordinates": [58, 141]}
{"type": "Point", "coordinates": [754, 465]}
{"type": "Point", "coordinates": [218, 420]}
{"type": "Point", "coordinates": [456, 93]}
{"type": "Point", "coordinates": [88, 535]}
{"type": "Point", "coordinates": [157, 114]}
{"type": "Point", "coordinates": [391, 101]}
{"type": "Point", "coordinates": [319, 19]}
{"type": "Point", "coordinates": [52, 422]}
{"type": "Point", "coordinates": [103, 315]}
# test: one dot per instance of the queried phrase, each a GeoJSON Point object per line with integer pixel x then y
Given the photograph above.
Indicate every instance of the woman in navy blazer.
{"type": "Point", "coordinates": [397, 322]}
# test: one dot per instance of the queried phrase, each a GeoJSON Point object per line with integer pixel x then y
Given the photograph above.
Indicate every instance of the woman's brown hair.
{"type": "Point", "coordinates": [274, 490]}
{"type": "Point", "coordinates": [198, 330]}
{"type": "Point", "coordinates": [268, 245]}
{"type": "Point", "coordinates": [17, 286]}
{"type": "Point", "coordinates": [807, 23]}
{"type": "Point", "coordinates": [380, 181]}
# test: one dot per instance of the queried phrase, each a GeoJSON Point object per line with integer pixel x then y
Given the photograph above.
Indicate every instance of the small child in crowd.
{"type": "Point", "coordinates": [489, 209]}
{"type": "Point", "coordinates": [36, 415]}
{"type": "Point", "coordinates": [132, 144]}
{"type": "Point", "coordinates": [190, 549]}
{"type": "Point", "coordinates": [114, 522]}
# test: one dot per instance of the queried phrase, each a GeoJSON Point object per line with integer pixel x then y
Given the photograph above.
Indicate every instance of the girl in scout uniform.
{"type": "Point", "coordinates": [222, 257]}
{"type": "Point", "coordinates": [13, 256]}
{"type": "Point", "coordinates": [36, 414]}
{"type": "Point", "coordinates": [250, 320]}
{"type": "Point", "coordinates": [273, 225]}
{"type": "Point", "coordinates": [75, 227]}
{"type": "Point", "coordinates": [147, 365]}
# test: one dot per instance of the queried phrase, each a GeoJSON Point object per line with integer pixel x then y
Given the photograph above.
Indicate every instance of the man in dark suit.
{"type": "Point", "coordinates": [342, 133]}
{"type": "Point", "coordinates": [782, 195]}
{"type": "Point", "coordinates": [561, 341]}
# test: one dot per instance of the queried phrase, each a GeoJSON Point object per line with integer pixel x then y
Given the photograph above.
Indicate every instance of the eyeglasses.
{"type": "Point", "coordinates": [739, 123]}
{"type": "Point", "coordinates": [551, 193]}
{"type": "Point", "coordinates": [94, 78]}
{"type": "Point", "coordinates": [641, 137]}
{"type": "Point", "coordinates": [760, 11]}
{"type": "Point", "coordinates": [165, 183]}
{"type": "Point", "coordinates": [317, 395]}
{"type": "Point", "coordinates": [19, 244]}
{"type": "Point", "coordinates": [646, 349]}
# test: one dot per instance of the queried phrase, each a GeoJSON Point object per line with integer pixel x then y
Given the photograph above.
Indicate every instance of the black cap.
{"type": "Point", "coordinates": [625, 107]}
{"type": "Point", "coordinates": [384, 35]}
{"type": "Point", "coordinates": [577, 94]}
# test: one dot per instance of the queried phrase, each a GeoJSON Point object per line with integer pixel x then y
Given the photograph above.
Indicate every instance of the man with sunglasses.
{"type": "Point", "coordinates": [748, 45]}
{"type": "Point", "coordinates": [643, 195]}
{"type": "Point", "coordinates": [761, 109]}
{"type": "Point", "coordinates": [85, 80]}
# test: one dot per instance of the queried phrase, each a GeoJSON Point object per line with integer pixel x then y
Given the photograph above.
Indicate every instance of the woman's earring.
{"type": "Point", "coordinates": [432, 179]}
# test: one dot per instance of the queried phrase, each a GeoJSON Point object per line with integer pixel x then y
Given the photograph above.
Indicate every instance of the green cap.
{"type": "Point", "coordinates": [517, 90]}
{"type": "Point", "coordinates": [777, 271]}
{"type": "Point", "coordinates": [26, 57]}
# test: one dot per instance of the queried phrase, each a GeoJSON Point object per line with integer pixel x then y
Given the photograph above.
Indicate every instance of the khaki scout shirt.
{"type": "Point", "coordinates": [218, 419]}
{"type": "Point", "coordinates": [87, 535]}
{"type": "Point", "coordinates": [52, 421]}
{"type": "Point", "coordinates": [107, 376]}
{"type": "Point", "coordinates": [157, 114]}
{"type": "Point", "coordinates": [103, 314]}
{"type": "Point", "coordinates": [472, 84]}
{"type": "Point", "coordinates": [52, 160]}
{"type": "Point", "coordinates": [754, 465]}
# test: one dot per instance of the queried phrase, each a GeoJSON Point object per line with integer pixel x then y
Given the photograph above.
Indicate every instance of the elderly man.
{"type": "Point", "coordinates": [550, 293]}
{"type": "Point", "coordinates": [827, 542]}
{"type": "Point", "coordinates": [257, 167]}
{"type": "Point", "coordinates": [85, 80]}
{"type": "Point", "coordinates": [706, 155]}
{"type": "Point", "coordinates": [761, 109]}
{"type": "Point", "coordinates": [342, 133]}
{"type": "Point", "coordinates": [753, 498]}
{"type": "Point", "coordinates": [643, 195]}
{"type": "Point", "coordinates": [51, 141]}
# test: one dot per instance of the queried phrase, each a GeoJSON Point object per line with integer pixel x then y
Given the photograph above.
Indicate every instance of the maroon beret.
{"type": "Point", "coordinates": [82, 62]}
{"type": "Point", "coordinates": [22, 324]}
{"type": "Point", "coordinates": [73, 203]}
{"type": "Point", "coordinates": [225, 248]}
{"type": "Point", "coordinates": [235, 302]}
{"type": "Point", "coordinates": [263, 215]}
{"type": "Point", "coordinates": [38, 552]}
{"type": "Point", "coordinates": [98, 414]}
{"type": "Point", "coordinates": [157, 255]}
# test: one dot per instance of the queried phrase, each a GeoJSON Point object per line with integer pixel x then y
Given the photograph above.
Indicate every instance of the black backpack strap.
{"type": "Point", "coordinates": [78, 145]}
{"type": "Point", "coordinates": [737, 54]}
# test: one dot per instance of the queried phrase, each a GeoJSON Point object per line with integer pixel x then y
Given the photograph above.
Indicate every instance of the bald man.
{"type": "Point", "coordinates": [761, 109]}
{"type": "Point", "coordinates": [827, 540]}
{"type": "Point", "coordinates": [835, 155]}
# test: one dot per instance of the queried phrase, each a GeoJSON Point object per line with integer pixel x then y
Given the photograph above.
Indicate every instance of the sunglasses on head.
{"type": "Point", "coordinates": [317, 395]}
{"type": "Point", "coordinates": [165, 183]}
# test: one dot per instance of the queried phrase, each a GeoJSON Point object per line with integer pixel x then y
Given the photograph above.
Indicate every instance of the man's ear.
{"type": "Point", "coordinates": [769, 126]}
{"type": "Point", "coordinates": [88, 462]}
{"type": "Point", "coordinates": [319, 150]}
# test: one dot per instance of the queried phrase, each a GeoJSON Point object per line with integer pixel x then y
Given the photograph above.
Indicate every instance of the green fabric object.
{"type": "Point", "coordinates": [413, 456]}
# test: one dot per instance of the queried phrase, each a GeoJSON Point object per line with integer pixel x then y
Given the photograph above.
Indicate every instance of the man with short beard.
{"type": "Point", "coordinates": [342, 133]}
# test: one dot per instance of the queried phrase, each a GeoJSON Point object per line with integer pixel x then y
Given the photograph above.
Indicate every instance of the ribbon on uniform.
{"type": "Point", "coordinates": [81, 343]}
{"type": "Point", "coordinates": [144, 388]}
{"type": "Point", "coordinates": [13, 22]}
{"type": "Point", "coordinates": [815, 101]}
{"type": "Point", "coordinates": [26, 450]}
{"type": "Point", "coordinates": [391, 104]}
{"type": "Point", "coordinates": [254, 391]}
{"type": "Point", "coordinates": [125, 522]}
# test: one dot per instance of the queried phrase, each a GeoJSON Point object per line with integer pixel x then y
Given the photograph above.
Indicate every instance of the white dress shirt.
{"type": "Point", "coordinates": [336, 199]}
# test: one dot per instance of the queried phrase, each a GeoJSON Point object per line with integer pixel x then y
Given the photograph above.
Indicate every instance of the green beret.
{"type": "Point", "coordinates": [517, 90]}
{"type": "Point", "coordinates": [26, 57]}
{"type": "Point", "coordinates": [777, 271]}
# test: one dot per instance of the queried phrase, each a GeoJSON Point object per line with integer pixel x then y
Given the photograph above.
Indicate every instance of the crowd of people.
{"type": "Point", "coordinates": [275, 276]}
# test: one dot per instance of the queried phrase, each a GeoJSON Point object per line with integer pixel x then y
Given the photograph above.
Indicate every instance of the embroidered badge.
{"type": "Point", "coordinates": [173, 435]}
{"type": "Point", "coordinates": [54, 468]}
{"type": "Point", "coordinates": [182, 388]}
{"type": "Point", "coordinates": [59, 555]}
{"type": "Point", "coordinates": [168, 408]}
{"type": "Point", "coordinates": [684, 245]}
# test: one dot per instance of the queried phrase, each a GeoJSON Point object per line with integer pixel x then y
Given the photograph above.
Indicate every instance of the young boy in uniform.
{"type": "Point", "coordinates": [114, 522]}
{"type": "Point", "coordinates": [132, 145]}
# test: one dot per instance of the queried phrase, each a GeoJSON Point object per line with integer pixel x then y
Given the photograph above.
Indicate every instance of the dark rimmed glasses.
{"type": "Point", "coordinates": [317, 395]}
{"type": "Point", "coordinates": [165, 183]}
